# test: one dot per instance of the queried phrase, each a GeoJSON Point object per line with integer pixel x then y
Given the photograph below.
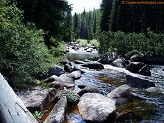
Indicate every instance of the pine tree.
{"type": "Point", "coordinates": [94, 24]}
{"type": "Point", "coordinates": [90, 27]}
{"type": "Point", "coordinates": [106, 7]}
{"type": "Point", "coordinates": [76, 26]}
{"type": "Point", "coordinates": [68, 28]}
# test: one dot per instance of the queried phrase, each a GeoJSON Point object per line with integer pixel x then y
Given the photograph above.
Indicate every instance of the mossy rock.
{"type": "Point", "coordinates": [133, 52]}
{"type": "Point", "coordinates": [72, 98]}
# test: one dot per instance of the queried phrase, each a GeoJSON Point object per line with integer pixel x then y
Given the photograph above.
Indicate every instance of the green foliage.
{"type": "Point", "coordinates": [123, 43]}
{"type": "Point", "coordinates": [23, 53]}
{"type": "Point", "coordinates": [37, 114]}
{"type": "Point", "coordinates": [84, 42]}
{"type": "Point", "coordinates": [72, 98]}
{"type": "Point", "coordinates": [133, 52]}
{"type": "Point", "coordinates": [94, 42]}
{"type": "Point", "coordinates": [59, 49]}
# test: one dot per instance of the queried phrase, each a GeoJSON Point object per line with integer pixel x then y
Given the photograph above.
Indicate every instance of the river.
{"type": "Point", "coordinates": [144, 108]}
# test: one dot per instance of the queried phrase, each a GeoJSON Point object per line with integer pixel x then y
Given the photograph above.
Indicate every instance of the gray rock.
{"type": "Point", "coordinates": [93, 65]}
{"type": "Point", "coordinates": [145, 70]}
{"type": "Point", "coordinates": [136, 58]}
{"type": "Point", "coordinates": [51, 79]}
{"type": "Point", "coordinates": [140, 68]}
{"type": "Point", "coordinates": [79, 62]}
{"type": "Point", "coordinates": [108, 58]}
{"type": "Point", "coordinates": [53, 71]}
{"type": "Point", "coordinates": [80, 68]}
{"type": "Point", "coordinates": [58, 112]}
{"type": "Point", "coordinates": [89, 50]}
{"type": "Point", "coordinates": [35, 98]}
{"type": "Point", "coordinates": [60, 85]}
{"type": "Point", "coordinates": [68, 68]}
{"type": "Point", "coordinates": [134, 67]}
{"type": "Point", "coordinates": [138, 82]}
{"type": "Point", "coordinates": [65, 78]}
{"type": "Point", "coordinates": [97, 108]}
{"type": "Point", "coordinates": [155, 90]}
{"type": "Point", "coordinates": [121, 91]}
{"type": "Point", "coordinates": [64, 61]}
{"type": "Point", "coordinates": [88, 90]}
{"type": "Point", "coordinates": [118, 63]}
{"type": "Point", "coordinates": [76, 74]}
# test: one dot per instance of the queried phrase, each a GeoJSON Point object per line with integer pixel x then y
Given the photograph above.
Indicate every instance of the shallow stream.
{"type": "Point", "coordinates": [143, 108]}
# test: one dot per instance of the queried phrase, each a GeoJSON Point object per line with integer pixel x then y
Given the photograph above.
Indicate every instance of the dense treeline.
{"type": "Point", "coordinates": [131, 18]}
{"type": "Point", "coordinates": [31, 34]}
{"type": "Point", "coordinates": [86, 24]}
{"type": "Point", "coordinates": [131, 27]}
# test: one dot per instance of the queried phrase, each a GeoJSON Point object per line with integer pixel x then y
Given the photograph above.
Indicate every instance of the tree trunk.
{"type": "Point", "coordinates": [12, 109]}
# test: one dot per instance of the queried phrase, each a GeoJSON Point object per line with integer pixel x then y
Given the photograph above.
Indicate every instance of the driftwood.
{"type": "Point", "coordinates": [12, 109]}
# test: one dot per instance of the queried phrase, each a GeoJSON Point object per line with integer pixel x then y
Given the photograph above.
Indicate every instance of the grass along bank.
{"type": "Point", "coordinates": [84, 42]}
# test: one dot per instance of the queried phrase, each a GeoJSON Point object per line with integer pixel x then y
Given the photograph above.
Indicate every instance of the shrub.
{"type": "Point", "coordinates": [72, 98]}
{"type": "Point", "coordinates": [122, 43]}
{"type": "Point", "coordinates": [37, 114]}
{"type": "Point", "coordinates": [59, 49]}
{"type": "Point", "coordinates": [23, 52]}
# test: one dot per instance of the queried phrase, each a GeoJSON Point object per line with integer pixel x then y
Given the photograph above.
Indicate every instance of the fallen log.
{"type": "Point", "coordinates": [12, 109]}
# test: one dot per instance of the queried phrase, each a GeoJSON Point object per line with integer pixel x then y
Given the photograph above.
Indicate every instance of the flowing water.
{"type": "Point", "coordinates": [143, 108]}
{"type": "Point", "coordinates": [80, 56]}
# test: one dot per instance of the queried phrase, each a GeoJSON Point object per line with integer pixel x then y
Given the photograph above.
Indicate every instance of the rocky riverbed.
{"type": "Point", "coordinates": [102, 89]}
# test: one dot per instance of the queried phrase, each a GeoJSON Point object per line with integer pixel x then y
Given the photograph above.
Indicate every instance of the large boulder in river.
{"type": "Point", "coordinates": [76, 74]}
{"type": "Point", "coordinates": [134, 67]}
{"type": "Point", "coordinates": [118, 63]}
{"type": "Point", "coordinates": [145, 70]}
{"type": "Point", "coordinates": [136, 81]}
{"type": "Point", "coordinates": [97, 108]}
{"type": "Point", "coordinates": [136, 58]}
{"type": "Point", "coordinates": [140, 68]}
{"type": "Point", "coordinates": [58, 112]}
{"type": "Point", "coordinates": [121, 91]}
{"type": "Point", "coordinates": [108, 58]}
{"type": "Point", "coordinates": [93, 65]}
